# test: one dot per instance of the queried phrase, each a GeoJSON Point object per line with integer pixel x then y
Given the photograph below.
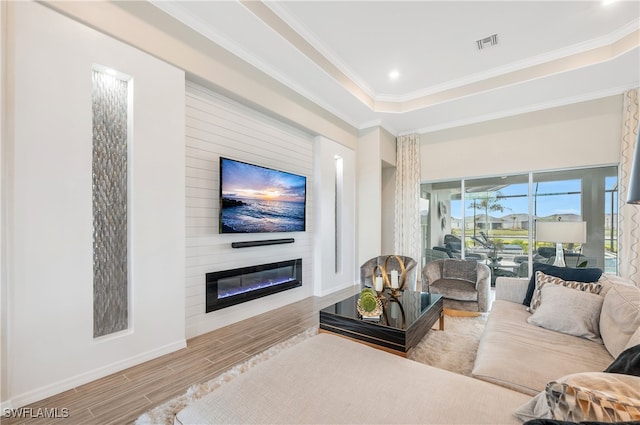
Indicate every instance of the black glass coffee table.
{"type": "Point", "coordinates": [405, 320]}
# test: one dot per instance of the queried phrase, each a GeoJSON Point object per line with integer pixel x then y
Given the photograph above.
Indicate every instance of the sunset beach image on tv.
{"type": "Point", "coordinates": [255, 199]}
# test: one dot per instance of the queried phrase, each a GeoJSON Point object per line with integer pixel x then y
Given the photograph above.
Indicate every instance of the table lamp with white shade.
{"type": "Point", "coordinates": [561, 232]}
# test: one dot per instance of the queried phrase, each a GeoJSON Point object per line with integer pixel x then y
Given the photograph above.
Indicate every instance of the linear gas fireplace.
{"type": "Point", "coordinates": [230, 287]}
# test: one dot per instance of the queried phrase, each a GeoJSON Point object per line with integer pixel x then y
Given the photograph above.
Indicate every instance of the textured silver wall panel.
{"type": "Point", "coordinates": [110, 292]}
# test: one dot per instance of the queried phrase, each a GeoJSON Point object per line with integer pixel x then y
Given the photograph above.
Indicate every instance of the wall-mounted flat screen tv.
{"type": "Point", "coordinates": [255, 199]}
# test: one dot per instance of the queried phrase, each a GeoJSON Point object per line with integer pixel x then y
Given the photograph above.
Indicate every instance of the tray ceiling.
{"type": "Point", "coordinates": [339, 54]}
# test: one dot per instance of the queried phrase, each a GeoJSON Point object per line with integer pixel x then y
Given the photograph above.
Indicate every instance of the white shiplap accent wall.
{"type": "Point", "coordinates": [218, 126]}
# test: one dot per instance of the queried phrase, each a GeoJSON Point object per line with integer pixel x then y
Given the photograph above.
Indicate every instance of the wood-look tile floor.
{"type": "Point", "coordinates": [122, 397]}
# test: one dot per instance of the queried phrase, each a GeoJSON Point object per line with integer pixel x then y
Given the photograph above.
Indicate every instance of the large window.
{"type": "Point", "coordinates": [493, 219]}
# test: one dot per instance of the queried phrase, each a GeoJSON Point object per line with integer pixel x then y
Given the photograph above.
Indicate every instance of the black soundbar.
{"type": "Point", "coordinates": [261, 243]}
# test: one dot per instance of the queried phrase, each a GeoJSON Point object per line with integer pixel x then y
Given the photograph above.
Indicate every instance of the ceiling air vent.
{"type": "Point", "coordinates": [492, 40]}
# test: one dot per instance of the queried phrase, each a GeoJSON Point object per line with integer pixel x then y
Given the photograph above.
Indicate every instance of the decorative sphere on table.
{"type": "Point", "coordinates": [368, 299]}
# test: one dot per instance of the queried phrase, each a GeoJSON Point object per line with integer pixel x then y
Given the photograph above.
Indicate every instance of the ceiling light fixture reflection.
{"type": "Point", "coordinates": [394, 74]}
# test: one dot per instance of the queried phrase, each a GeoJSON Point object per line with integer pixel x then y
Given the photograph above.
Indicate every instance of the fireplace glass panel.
{"type": "Point", "coordinates": [230, 287]}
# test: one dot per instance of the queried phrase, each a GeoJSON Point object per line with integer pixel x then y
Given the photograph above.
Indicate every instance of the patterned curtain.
{"type": "Point", "coordinates": [628, 215]}
{"type": "Point", "coordinates": [407, 198]}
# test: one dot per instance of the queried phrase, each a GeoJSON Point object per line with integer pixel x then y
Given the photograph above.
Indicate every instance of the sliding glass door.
{"type": "Point", "coordinates": [589, 195]}
{"type": "Point", "coordinates": [493, 219]}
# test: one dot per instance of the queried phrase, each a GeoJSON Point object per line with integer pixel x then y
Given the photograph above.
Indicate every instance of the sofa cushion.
{"type": "Point", "coordinates": [465, 270]}
{"type": "Point", "coordinates": [569, 311]}
{"type": "Point", "coordinates": [565, 273]}
{"type": "Point", "coordinates": [524, 357]}
{"type": "Point", "coordinates": [455, 289]}
{"type": "Point", "coordinates": [545, 279]}
{"type": "Point", "coordinates": [620, 317]}
{"type": "Point", "coordinates": [595, 396]}
{"type": "Point", "coordinates": [627, 363]}
{"type": "Point", "coordinates": [635, 339]}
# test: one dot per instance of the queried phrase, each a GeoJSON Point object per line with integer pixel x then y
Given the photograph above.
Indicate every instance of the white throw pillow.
{"type": "Point", "coordinates": [569, 311]}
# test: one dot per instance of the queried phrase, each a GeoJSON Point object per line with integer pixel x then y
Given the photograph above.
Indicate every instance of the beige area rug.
{"type": "Point", "coordinates": [453, 349]}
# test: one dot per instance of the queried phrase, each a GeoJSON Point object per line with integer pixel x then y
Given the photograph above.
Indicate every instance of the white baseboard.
{"type": "Point", "coordinates": [29, 397]}
{"type": "Point", "coordinates": [338, 288]}
{"type": "Point", "coordinates": [6, 405]}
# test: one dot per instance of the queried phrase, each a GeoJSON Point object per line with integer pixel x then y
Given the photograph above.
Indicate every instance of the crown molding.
{"type": "Point", "coordinates": [529, 69]}
{"type": "Point", "coordinates": [384, 102]}
{"type": "Point", "coordinates": [561, 65]}
{"type": "Point", "coordinates": [610, 39]}
{"type": "Point", "coordinates": [281, 27]}
{"type": "Point", "coordinates": [274, 18]}
{"type": "Point", "coordinates": [337, 61]}
{"type": "Point", "coordinates": [223, 41]}
{"type": "Point", "coordinates": [522, 110]}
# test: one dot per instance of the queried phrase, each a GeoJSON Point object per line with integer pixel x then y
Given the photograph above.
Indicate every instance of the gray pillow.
{"type": "Point", "coordinates": [569, 311]}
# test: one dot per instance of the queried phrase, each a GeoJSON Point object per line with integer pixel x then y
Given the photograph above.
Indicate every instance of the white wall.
{"type": "Point", "coordinates": [4, 134]}
{"type": "Point", "coordinates": [376, 189]}
{"type": "Point", "coordinates": [369, 195]}
{"type": "Point", "coordinates": [578, 135]}
{"type": "Point", "coordinates": [388, 210]}
{"type": "Point", "coordinates": [388, 186]}
{"type": "Point", "coordinates": [387, 147]}
{"type": "Point", "coordinates": [335, 261]}
{"type": "Point", "coordinates": [218, 126]}
{"type": "Point", "coordinates": [50, 284]}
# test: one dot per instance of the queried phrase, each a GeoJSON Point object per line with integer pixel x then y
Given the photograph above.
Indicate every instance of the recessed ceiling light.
{"type": "Point", "coordinates": [608, 2]}
{"type": "Point", "coordinates": [394, 74]}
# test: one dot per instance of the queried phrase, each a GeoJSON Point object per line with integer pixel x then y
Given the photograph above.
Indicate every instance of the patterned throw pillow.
{"type": "Point", "coordinates": [581, 274]}
{"type": "Point", "coordinates": [595, 396]}
{"type": "Point", "coordinates": [544, 279]}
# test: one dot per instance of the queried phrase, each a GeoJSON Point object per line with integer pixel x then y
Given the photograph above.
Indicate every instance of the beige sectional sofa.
{"type": "Point", "coordinates": [530, 358]}
{"type": "Point", "coordinates": [328, 379]}
{"type": "Point", "coordinates": [525, 357]}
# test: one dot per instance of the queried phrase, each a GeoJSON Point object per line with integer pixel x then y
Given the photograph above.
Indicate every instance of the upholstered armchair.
{"type": "Point", "coordinates": [463, 284]}
{"type": "Point", "coordinates": [411, 271]}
